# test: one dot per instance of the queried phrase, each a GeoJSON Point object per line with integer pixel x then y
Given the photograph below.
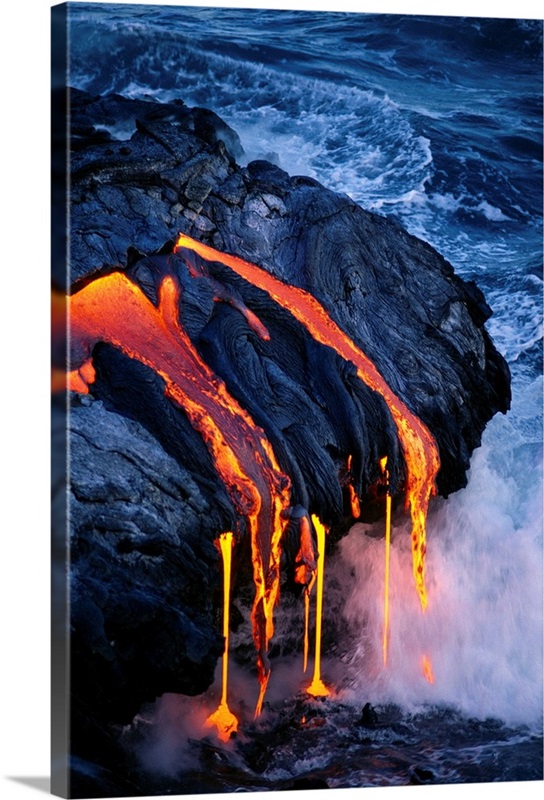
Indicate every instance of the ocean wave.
{"type": "Point", "coordinates": [353, 140]}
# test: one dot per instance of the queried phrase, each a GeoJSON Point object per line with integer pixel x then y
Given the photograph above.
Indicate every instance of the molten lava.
{"type": "Point", "coordinates": [419, 448]}
{"type": "Point", "coordinates": [317, 688]}
{"type": "Point", "coordinates": [353, 498]}
{"type": "Point", "coordinates": [115, 310]}
{"type": "Point", "coordinates": [427, 669]}
{"type": "Point", "coordinates": [223, 718]}
{"type": "Point", "coordinates": [305, 559]}
{"type": "Point", "coordinates": [385, 642]}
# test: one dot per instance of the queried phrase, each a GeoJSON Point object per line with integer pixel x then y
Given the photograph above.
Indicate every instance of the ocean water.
{"type": "Point", "coordinates": [437, 121]}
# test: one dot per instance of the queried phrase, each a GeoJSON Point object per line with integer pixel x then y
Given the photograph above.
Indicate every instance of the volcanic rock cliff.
{"type": "Point", "coordinates": [146, 500]}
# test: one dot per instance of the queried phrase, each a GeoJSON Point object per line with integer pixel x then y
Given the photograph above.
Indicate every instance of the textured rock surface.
{"type": "Point", "coordinates": [147, 502]}
{"type": "Point", "coordinates": [138, 521]}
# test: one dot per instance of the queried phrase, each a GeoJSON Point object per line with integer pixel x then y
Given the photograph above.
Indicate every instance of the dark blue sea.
{"type": "Point", "coordinates": [436, 121]}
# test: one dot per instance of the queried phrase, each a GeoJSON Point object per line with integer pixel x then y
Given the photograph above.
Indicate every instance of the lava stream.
{"type": "Point", "coordinates": [317, 688]}
{"type": "Point", "coordinates": [385, 642]}
{"type": "Point", "coordinates": [115, 310]}
{"type": "Point", "coordinates": [355, 504]}
{"type": "Point", "coordinates": [419, 448]}
{"type": "Point", "coordinates": [223, 718]}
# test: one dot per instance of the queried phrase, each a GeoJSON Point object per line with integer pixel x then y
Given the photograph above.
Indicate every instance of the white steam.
{"type": "Point", "coordinates": [161, 735]}
{"type": "Point", "coordinates": [482, 630]}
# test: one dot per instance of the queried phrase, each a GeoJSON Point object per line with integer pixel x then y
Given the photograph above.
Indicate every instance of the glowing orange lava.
{"type": "Point", "coordinates": [419, 448]}
{"type": "Point", "coordinates": [353, 498]}
{"type": "Point", "coordinates": [305, 558]}
{"type": "Point", "coordinates": [115, 310]}
{"type": "Point", "coordinates": [223, 718]}
{"type": "Point", "coordinates": [317, 688]}
{"type": "Point", "coordinates": [385, 642]}
{"type": "Point", "coordinates": [427, 669]}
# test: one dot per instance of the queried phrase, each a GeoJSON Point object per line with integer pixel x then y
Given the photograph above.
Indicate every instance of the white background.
{"type": "Point", "coordinates": [24, 395]}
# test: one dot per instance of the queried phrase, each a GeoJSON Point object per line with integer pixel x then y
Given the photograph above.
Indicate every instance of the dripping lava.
{"type": "Point", "coordinates": [242, 454]}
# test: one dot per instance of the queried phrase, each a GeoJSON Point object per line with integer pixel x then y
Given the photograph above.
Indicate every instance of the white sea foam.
{"type": "Point", "coordinates": [516, 324]}
{"type": "Point", "coordinates": [447, 201]}
{"type": "Point", "coordinates": [491, 212]}
{"type": "Point", "coordinates": [353, 140]}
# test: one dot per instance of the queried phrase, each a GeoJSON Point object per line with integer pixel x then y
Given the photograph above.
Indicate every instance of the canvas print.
{"type": "Point", "coordinates": [296, 399]}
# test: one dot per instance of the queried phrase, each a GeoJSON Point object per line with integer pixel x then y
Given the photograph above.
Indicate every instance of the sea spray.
{"type": "Point", "coordinates": [483, 626]}
{"type": "Point", "coordinates": [160, 735]}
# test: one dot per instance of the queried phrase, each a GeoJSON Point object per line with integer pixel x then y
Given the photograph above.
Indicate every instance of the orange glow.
{"type": "Point", "coordinates": [77, 380]}
{"type": "Point", "coordinates": [354, 502]}
{"type": "Point", "coordinates": [115, 310]}
{"type": "Point", "coordinates": [385, 642]}
{"type": "Point", "coordinates": [419, 448]}
{"type": "Point", "coordinates": [317, 688]}
{"type": "Point", "coordinates": [254, 322]}
{"type": "Point", "coordinates": [223, 718]}
{"type": "Point", "coordinates": [58, 315]}
{"type": "Point", "coordinates": [61, 380]}
{"type": "Point", "coordinates": [427, 668]}
{"type": "Point", "coordinates": [305, 558]}
{"type": "Point", "coordinates": [353, 498]}
{"type": "Point", "coordinates": [87, 371]}
{"type": "Point", "coordinates": [305, 573]}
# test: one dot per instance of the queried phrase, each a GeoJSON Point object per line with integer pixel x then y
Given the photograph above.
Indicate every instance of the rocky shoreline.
{"type": "Point", "coordinates": [146, 503]}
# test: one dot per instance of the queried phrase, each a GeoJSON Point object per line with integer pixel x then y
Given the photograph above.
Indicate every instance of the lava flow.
{"type": "Point", "coordinates": [241, 452]}
{"type": "Point", "coordinates": [305, 574]}
{"type": "Point", "coordinates": [317, 688]}
{"type": "Point", "coordinates": [223, 718]}
{"type": "Point", "coordinates": [385, 642]}
{"type": "Point", "coordinates": [353, 499]}
{"type": "Point", "coordinates": [419, 448]}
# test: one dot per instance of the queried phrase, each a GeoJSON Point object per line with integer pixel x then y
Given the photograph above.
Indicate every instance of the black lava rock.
{"type": "Point", "coordinates": [369, 718]}
{"type": "Point", "coordinates": [146, 503]}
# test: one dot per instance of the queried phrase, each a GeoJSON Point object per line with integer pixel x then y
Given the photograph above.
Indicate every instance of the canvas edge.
{"type": "Point", "coordinates": [60, 626]}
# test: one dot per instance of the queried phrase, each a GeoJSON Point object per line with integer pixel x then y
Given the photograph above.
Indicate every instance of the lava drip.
{"type": "Point", "coordinates": [385, 642]}
{"type": "Point", "coordinates": [317, 688]}
{"type": "Point", "coordinates": [223, 718]}
{"type": "Point", "coordinates": [418, 445]}
{"type": "Point", "coordinates": [354, 502]}
{"type": "Point", "coordinates": [113, 309]}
